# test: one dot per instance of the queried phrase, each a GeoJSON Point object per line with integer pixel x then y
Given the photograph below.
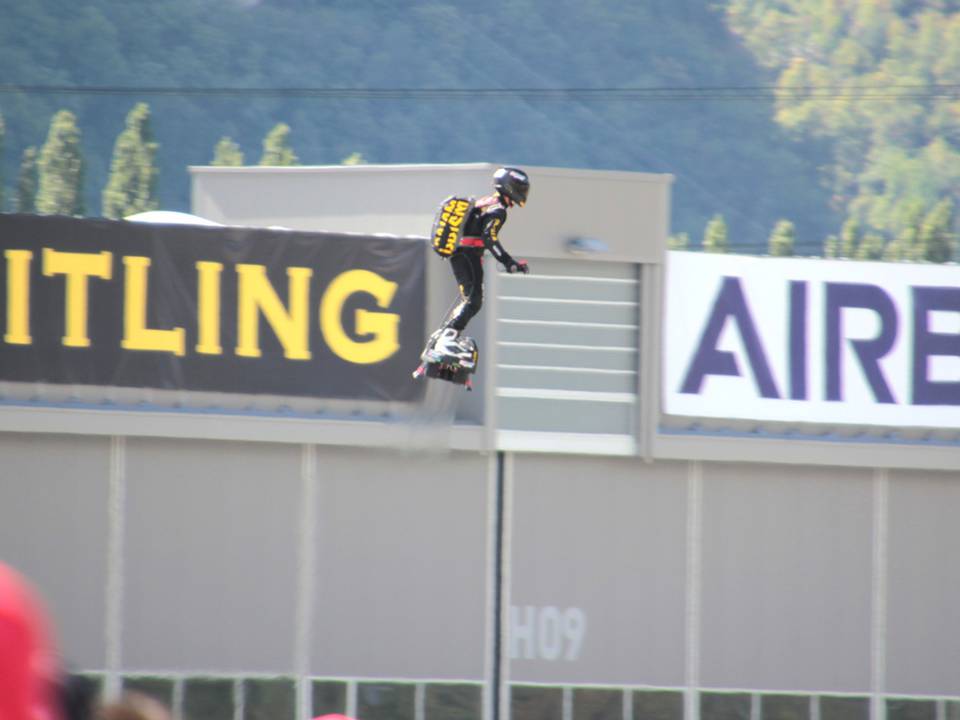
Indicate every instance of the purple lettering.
{"type": "Point", "coordinates": [869, 352]}
{"type": "Point", "coordinates": [797, 350]}
{"type": "Point", "coordinates": [927, 343]}
{"type": "Point", "coordinates": [709, 360]}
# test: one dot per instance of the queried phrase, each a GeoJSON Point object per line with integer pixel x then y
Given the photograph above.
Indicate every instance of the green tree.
{"type": "Point", "coordinates": [830, 246]}
{"type": "Point", "coordinates": [849, 238]}
{"type": "Point", "coordinates": [678, 241]}
{"type": "Point", "coordinates": [903, 247]}
{"type": "Point", "coordinates": [782, 239]}
{"type": "Point", "coordinates": [227, 154]}
{"type": "Point", "coordinates": [871, 247]}
{"type": "Point", "coordinates": [354, 159]}
{"type": "Point", "coordinates": [894, 251]}
{"type": "Point", "coordinates": [276, 147]}
{"type": "Point", "coordinates": [937, 239]}
{"type": "Point", "coordinates": [26, 198]}
{"type": "Point", "coordinates": [132, 186]}
{"type": "Point", "coordinates": [907, 241]}
{"type": "Point", "coordinates": [715, 236]}
{"type": "Point", "coordinates": [60, 168]}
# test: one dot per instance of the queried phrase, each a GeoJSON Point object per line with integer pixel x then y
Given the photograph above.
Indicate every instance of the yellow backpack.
{"type": "Point", "coordinates": [447, 229]}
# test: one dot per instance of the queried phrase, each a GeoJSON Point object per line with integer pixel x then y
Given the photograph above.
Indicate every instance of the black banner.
{"type": "Point", "coordinates": [238, 310]}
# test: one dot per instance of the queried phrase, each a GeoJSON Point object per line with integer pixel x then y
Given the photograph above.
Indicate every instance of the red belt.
{"type": "Point", "coordinates": [471, 242]}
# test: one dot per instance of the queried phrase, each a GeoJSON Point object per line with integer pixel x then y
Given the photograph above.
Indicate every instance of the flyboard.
{"type": "Point", "coordinates": [450, 358]}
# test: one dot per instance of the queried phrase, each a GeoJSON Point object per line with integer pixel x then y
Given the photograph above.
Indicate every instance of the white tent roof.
{"type": "Point", "coordinates": [170, 217]}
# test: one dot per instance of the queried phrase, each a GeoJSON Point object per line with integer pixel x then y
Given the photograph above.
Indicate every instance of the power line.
{"type": "Point", "coordinates": [638, 94]}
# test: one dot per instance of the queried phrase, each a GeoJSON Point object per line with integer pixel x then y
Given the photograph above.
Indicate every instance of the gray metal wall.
{"type": "Point", "coordinates": [213, 557]}
{"type": "Point", "coordinates": [605, 537]}
{"type": "Point", "coordinates": [180, 558]}
{"type": "Point", "coordinates": [752, 580]}
{"type": "Point", "coordinates": [786, 568]}
{"type": "Point", "coordinates": [922, 581]}
{"type": "Point", "coordinates": [54, 525]}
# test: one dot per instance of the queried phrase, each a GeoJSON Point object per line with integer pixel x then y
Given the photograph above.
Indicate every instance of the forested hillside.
{"type": "Point", "coordinates": [878, 81]}
{"type": "Point", "coordinates": [727, 150]}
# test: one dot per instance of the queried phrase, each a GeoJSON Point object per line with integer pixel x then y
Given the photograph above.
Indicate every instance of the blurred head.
{"type": "Point", "coordinates": [512, 184]}
{"type": "Point", "coordinates": [134, 706]}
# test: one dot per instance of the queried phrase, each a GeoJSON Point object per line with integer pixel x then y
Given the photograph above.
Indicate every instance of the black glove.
{"type": "Point", "coordinates": [518, 266]}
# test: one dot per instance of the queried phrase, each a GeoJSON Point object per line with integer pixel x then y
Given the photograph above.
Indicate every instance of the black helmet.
{"type": "Point", "coordinates": [513, 183]}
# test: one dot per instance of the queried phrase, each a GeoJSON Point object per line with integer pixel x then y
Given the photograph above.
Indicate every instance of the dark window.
{"type": "Point", "coordinates": [269, 699]}
{"type": "Point", "coordinates": [208, 699]}
{"type": "Point", "coordinates": [328, 697]}
{"type": "Point", "coordinates": [595, 704]}
{"type": "Point", "coordinates": [82, 692]}
{"type": "Point", "coordinates": [453, 702]}
{"type": "Point", "coordinates": [657, 705]}
{"type": "Point", "coordinates": [724, 706]}
{"type": "Point", "coordinates": [785, 707]}
{"type": "Point", "coordinates": [385, 701]}
{"type": "Point", "coordinates": [898, 709]}
{"type": "Point", "coordinates": [92, 681]}
{"type": "Point", "coordinates": [535, 703]}
{"type": "Point", "coordinates": [844, 708]}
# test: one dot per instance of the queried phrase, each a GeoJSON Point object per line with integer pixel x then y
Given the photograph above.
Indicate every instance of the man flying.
{"type": "Point", "coordinates": [480, 233]}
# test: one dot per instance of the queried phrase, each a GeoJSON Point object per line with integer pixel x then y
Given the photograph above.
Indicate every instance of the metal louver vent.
{"type": "Point", "coordinates": [567, 348]}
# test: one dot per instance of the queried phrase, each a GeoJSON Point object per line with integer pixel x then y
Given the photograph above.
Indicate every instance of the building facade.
{"type": "Point", "coordinates": [597, 531]}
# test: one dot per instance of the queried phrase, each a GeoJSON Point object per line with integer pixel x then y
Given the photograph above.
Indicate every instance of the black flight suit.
{"type": "Point", "coordinates": [480, 233]}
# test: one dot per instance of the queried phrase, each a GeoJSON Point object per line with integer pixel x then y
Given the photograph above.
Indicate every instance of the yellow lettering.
{"type": "Point", "coordinates": [78, 268]}
{"type": "Point", "coordinates": [136, 334]}
{"type": "Point", "coordinates": [18, 297]}
{"type": "Point", "coordinates": [255, 293]}
{"type": "Point", "coordinates": [208, 307]}
{"type": "Point", "coordinates": [383, 327]}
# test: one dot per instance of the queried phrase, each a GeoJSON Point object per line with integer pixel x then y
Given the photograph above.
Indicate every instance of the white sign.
{"type": "Point", "coordinates": [546, 633]}
{"type": "Point", "coordinates": [820, 341]}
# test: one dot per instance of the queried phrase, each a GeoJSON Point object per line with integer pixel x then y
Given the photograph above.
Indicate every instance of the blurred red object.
{"type": "Point", "coordinates": [29, 664]}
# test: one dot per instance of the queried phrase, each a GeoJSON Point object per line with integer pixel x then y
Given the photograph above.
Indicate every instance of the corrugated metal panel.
{"type": "Point", "coordinates": [567, 348]}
